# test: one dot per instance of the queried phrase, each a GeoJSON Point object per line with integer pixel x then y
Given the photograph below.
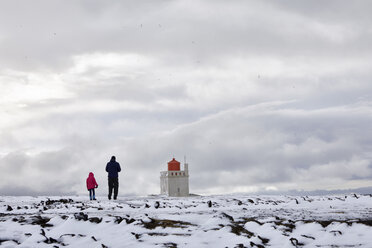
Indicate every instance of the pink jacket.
{"type": "Point", "coordinates": [91, 181]}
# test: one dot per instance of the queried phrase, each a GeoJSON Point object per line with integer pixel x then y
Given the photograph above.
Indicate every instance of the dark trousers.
{"type": "Point", "coordinates": [92, 194]}
{"type": "Point", "coordinates": [113, 183]}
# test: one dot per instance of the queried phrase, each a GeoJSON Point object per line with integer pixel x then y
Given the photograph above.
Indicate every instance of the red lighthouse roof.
{"type": "Point", "coordinates": [174, 165]}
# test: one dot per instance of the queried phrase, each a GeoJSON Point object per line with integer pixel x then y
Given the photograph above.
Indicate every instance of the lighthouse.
{"type": "Point", "coordinates": [174, 181]}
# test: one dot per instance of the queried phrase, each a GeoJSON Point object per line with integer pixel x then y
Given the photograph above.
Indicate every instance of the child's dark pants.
{"type": "Point", "coordinates": [92, 194]}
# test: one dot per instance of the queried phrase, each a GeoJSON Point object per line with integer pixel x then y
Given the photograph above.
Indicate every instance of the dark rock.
{"type": "Point", "coordinates": [9, 208]}
{"type": "Point", "coordinates": [227, 216]}
{"type": "Point", "coordinates": [239, 230]}
{"type": "Point", "coordinates": [253, 220]}
{"type": "Point", "coordinates": [157, 234]}
{"type": "Point", "coordinates": [295, 242]}
{"type": "Point", "coordinates": [367, 222]}
{"type": "Point", "coordinates": [250, 201]}
{"type": "Point", "coordinates": [41, 221]}
{"type": "Point", "coordinates": [240, 246]}
{"type": "Point", "coordinates": [51, 241]}
{"type": "Point", "coordinates": [118, 219]}
{"type": "Point", "coordinates": [13, 240]}
{"type": "Point", "coordinates": [256, 245]}
{"type": "Point", "coordinates": [21, 219]}
{"type": "Point", "coordinates": [94, 238]}
{"type": "Point", "coordinates": [263, 240]}
{"type": "Point", "coordinates": [95, 220]}
{"type": "Point", "coordinates": [138, 236]}
{"type": "Point", "coordinates": [165, 223]}
{"type": "Point", "coordinates": [325, 223]}
{"type": "Point", "coordinates": [66, 200]}
{"type": "Point", "coordinates": [209, 204]}
{"type": "Point", "coordinates": [147, 205]}
{"type": "Point", "coordinates": [239, 202]}
{"type": "Point", "coordinates": [60, 201]}
{"type": "Point", "coordinates": [288, 225]}
{"type": "Point", "coordinates": [81, 216]}
{"type": "Point", "coordinates": [336, 232]}
{"type": "Point", "coordinates": [103, 246]}
{"type": "Point", "coordinates": [68, 234]}
{"type": "Point", "coordinates": [129, 221]}
{"type": "Point", "coordinates": [308, 237]}
{"type": "Point", "coordinates": [170, 245]}
{"type": "Point", "coordinates": [157, 205]}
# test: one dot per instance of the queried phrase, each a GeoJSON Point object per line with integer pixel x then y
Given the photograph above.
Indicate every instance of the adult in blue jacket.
{"type": "Point", "coordinates": [113, 168]}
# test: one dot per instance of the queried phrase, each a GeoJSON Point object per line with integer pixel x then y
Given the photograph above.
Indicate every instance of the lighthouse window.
{"type": "Point", "coordinates": [176, 173]}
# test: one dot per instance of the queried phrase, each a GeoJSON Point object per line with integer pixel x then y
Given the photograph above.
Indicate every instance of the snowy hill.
{"type": "Point", "coordinates": [208, 221]}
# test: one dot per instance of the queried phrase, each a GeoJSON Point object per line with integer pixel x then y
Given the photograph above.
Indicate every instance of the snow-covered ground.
{"type": "Point", "coordinates": [199, 221]}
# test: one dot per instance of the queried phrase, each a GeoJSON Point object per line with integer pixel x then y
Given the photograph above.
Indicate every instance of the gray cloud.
{"type": "Point", "coordinates": [247, 147]}
{"type": "Point", "coordinates": [39, 35]}
{"type": "Point", "coordinates": [257, 94]}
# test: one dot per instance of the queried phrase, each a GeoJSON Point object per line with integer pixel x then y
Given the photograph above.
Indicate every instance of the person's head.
{"type": "Point", "coordinates": [113, 158]}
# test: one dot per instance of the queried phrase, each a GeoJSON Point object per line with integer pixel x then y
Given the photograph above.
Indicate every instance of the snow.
{"type": "Point", "coordinates": [198, 221]}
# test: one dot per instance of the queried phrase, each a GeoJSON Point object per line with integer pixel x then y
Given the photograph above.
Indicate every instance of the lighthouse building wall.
{"type": "Point", "coordinates": [164, 185]}
{"type": "Point", "coordinates": [174, 183]}
{"type": "Point", "coordinates": [178, 186]}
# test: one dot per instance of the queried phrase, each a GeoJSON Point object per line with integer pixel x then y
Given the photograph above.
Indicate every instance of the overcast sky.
{"type": "Point", "coordinates": [258, 95]}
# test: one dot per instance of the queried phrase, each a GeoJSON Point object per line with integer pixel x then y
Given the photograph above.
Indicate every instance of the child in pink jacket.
{"type": "Point", "coordinates": [91, 185]}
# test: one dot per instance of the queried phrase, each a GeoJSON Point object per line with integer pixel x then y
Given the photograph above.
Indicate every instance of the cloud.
{"type": "Point", "coordinates": [258, 95]}
{"type": "Point", "coordinates": [251, 148]}
{"type": "Point", "coordinates": [178, 32]}
{"type": "Point", "coordinates": [248, 148]}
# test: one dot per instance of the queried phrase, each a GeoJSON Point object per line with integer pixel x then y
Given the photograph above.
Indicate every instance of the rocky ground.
{"type": "Point", "coordinates": [199, 221]}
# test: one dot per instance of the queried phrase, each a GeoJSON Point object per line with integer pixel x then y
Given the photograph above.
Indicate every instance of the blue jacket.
{"type": "Point", "coordinates": [113, 168]}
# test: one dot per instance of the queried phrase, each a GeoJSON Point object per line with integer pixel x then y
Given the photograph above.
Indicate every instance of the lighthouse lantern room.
{"type": "Point", "coordinates": [175, 182]}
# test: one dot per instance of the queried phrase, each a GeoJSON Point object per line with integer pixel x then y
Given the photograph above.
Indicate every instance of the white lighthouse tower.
{"type": "Point", "coordinates": [175, 182]}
